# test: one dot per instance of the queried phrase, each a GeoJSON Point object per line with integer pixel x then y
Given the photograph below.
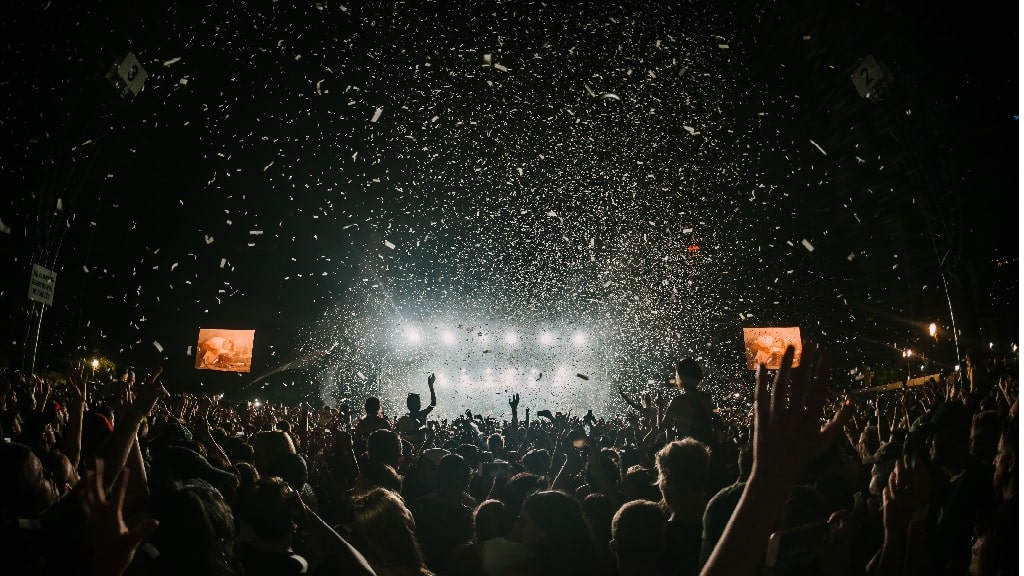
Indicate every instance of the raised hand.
{"type": "Point", "coordinates": [430, 380]}
{"type": "Point", "coordinates": [78, 384]}
{"type": "Point", "coordinates": [513, 402]}
{"type": "Point", "coordinates": [113, 543]}
{"type": "Point", "coordinates": [906, 494]}
{"type": "Point", "coordinates": [787, 423]}
{"type": "Point", "coordinates": [150, 393]}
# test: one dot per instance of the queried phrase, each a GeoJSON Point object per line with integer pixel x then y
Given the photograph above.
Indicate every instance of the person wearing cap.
{"type": "Point", "coordinates": [691, 411]}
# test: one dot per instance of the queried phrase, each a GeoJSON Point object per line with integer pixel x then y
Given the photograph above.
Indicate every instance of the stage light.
{"type": "Point", "coordinates": [545, 338]}
{"type": "Point", "coordinates": [95, 363]}
{"type": "Point", "coordinates": [257, 403]}
{"type": "Point", "coordinates": [932, 329]}
{"type": "Point", "coordinates": [511, 338]}
{"type": "Point", "coordinates": [412, 335]}
{"type": "Point", "coordinates": [448, 338]}
{"type": "Point", "coordinates": [579, 338]}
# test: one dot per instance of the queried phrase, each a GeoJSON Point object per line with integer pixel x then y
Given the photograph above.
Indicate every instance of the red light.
{"type": "Point", "coordinates": [693, 248]}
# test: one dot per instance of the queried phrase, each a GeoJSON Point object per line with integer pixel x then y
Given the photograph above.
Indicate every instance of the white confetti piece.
{"type": "Point", "coordinates": [807, 245]}
{"type": "Point", "coordinates": [223, 261]}
{"type": "Point", "coordinates": [172, 61]}
{"type": "Point", "coordinates": [389, 245]}
{"type": "Point", "coordinates": [487, 59]}
{"type": "Point", "coordinates": [208, 239]}
{"type": "Point", "coordinates": [85, 268]}
{"type": "Point", "coordinates": [820, 149]}
{"type": "Point", "coordinates": [4, 228]}
{"type": "Point", "coordinates": [60, 204]}
{"type": "Point", "coordinates": [158, 347]}
{"type": "Point", "coordinates": [723, 46]}
{"type": "Point", "coordinates": [851, 257]}
{"type": "Point", "coordinates": [498, 66]}
{"type": "Point", "coordinates": [189, 351]}
{"type": "Point", "coordinates": [610, 96]}
{"type": "Point", "coordinates": [183, 81]}
{"type": "Point", "coordinates": [376, 115]}
{"type": "Point", "coordinates": [255, 232]}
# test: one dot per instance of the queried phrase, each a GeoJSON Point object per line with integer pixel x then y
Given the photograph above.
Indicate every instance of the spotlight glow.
{"type": "Point", "coordinates": [448, 338]}
{"type": "Point", "coordinates": [546, 338]}
{"type": "Point", "coordinates": [95, 363]}
{"type": "Point", "coordinates": [511, 337]}
{"type": "Point", "coordinates": [412, 335]}
{"type": "Point", "coordinates": [579, 338]}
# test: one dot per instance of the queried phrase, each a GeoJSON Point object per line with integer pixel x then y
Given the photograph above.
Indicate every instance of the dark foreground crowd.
{"type": "Point", "coordinates": [123, 478]}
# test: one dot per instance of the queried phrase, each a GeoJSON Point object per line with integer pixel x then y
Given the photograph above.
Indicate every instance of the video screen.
{"type": "Point", "coordinates": [767, 345]}
{"type": "Point", "coordinates": [224, 350]}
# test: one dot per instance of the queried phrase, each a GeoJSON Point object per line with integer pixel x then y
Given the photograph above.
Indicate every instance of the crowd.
{"type": "Point", "coordinates": [111, 478]}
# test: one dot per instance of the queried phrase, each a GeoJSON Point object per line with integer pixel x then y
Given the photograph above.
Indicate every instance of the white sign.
{"type": "Point", "coordinates": [40, 287]}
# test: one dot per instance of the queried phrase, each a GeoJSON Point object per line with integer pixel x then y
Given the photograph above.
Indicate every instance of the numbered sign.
{"type": "Point", "coordinates": [127, 76]}
{"type": "Point", "coordinates": [872, 79]}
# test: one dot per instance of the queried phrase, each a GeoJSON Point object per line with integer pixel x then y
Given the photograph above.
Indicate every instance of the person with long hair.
{"type": "Point", "coordinates": [384, 532]}
{"type": "Point", "coordinates": [552, 525]}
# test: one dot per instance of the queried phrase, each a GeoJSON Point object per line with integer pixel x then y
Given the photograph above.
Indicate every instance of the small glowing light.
{"type": "Point", "coordinates": [922, 367]}
{"type": "Point", "coordinates": [1013, 347]}
{"type": "Point", "coordinates": [990, 345]}
{"type": "Point", "coordinates": [910, 353]}
{"type": "Point", "coordinates": [546, 338]}
{"type": "Point", "coordinates": [579, 338]}
{"type": "Point", "coordinates": [932, 329]}
{"type": "Point", "coordinates": [511, 338]}
{"type": "Point", "coordinates": [412, 335]}
{"type": "Point", "coordinates": [956, 368]}
{"type": "Point", "coordinates": [257, 403]}
{"type": "Point", "coordinates": [95, 363]}
{"type": "Point", "coordinates": [736, 395]}
{"type": "Point", "coordinates": [448, 338]}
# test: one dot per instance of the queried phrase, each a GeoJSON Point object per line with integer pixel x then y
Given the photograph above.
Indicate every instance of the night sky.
{"type": "Point", "coordinates": [637, 181]}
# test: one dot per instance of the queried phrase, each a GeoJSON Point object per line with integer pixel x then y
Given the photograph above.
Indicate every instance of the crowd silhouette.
{"type": "Point", "coordinates": [121, 477]}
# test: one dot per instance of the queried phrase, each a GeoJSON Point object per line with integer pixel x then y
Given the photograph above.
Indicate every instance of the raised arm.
{"type": "Point", "coordinates": [787, 435]}
{"type": "Point", "coordinates": [71, 441]}
{"type": "Point", "coordinates": [513, 403]}
{"type": "Point", "coordinates": [116, 447]}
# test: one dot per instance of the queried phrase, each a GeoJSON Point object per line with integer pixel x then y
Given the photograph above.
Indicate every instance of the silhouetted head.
{"type": "Point", "coordinates": [372, 406]}
{"type": "Point", "coordinates": [688, 372]}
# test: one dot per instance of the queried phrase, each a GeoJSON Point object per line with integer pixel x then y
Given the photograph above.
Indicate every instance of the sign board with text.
{"type": "Point", "coordinates": [40, 286]}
